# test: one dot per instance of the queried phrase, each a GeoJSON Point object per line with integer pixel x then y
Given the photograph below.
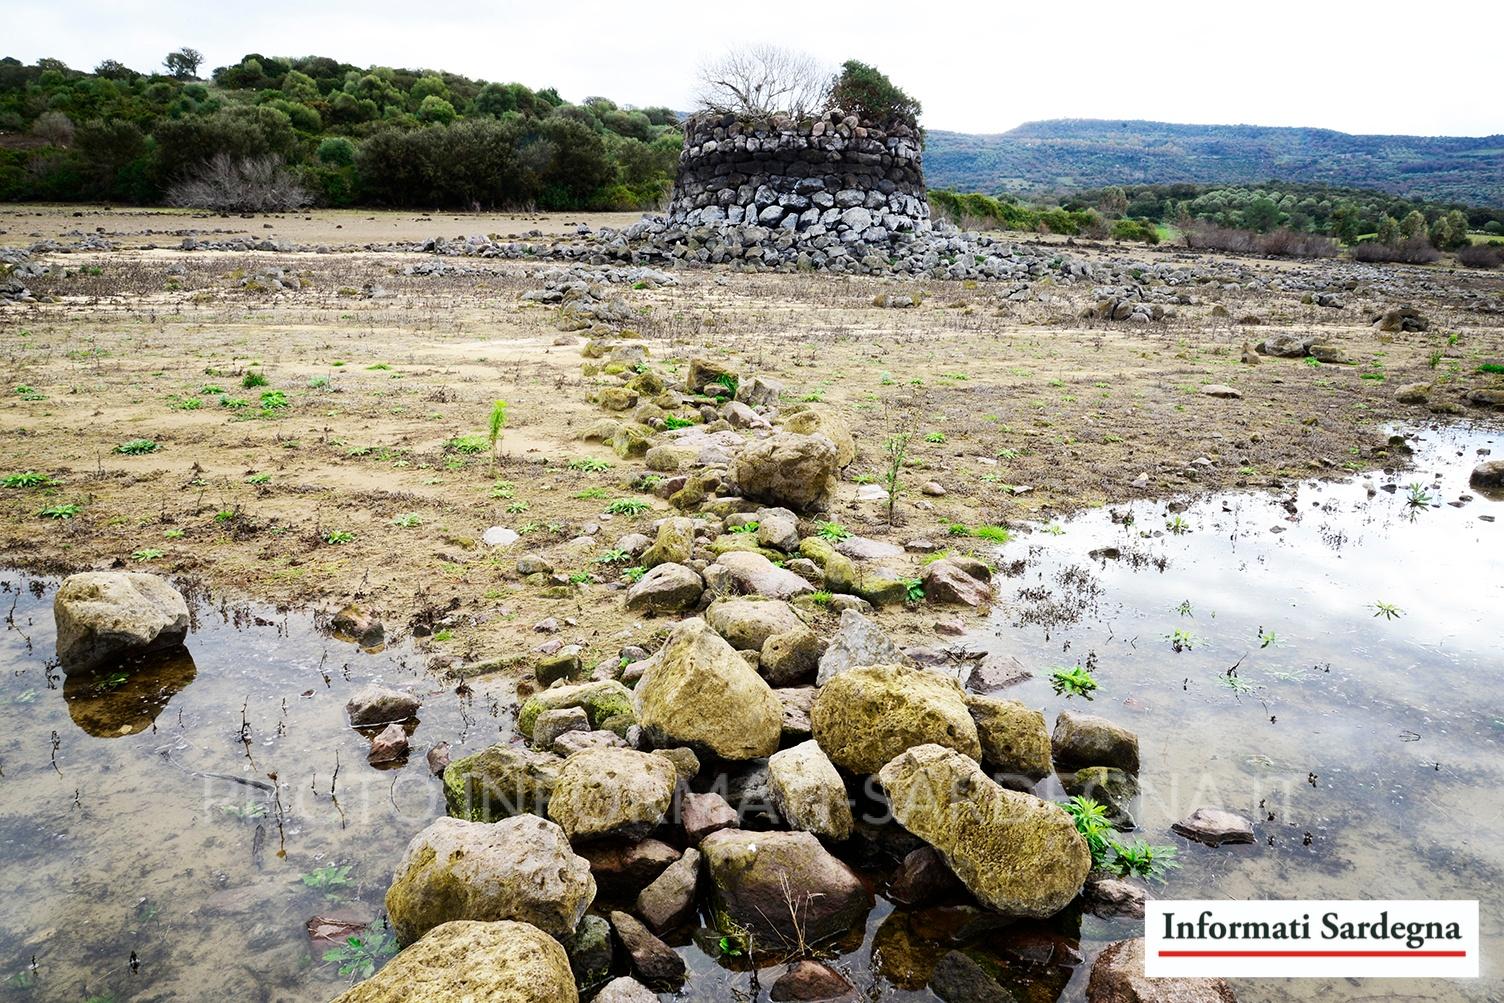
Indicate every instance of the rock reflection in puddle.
{"type": "Point", "coordinates": [126, 697]}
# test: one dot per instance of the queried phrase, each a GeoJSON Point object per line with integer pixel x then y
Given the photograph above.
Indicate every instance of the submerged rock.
{"type": "Point", "coordinates": [1017, 854]}
{"type": "Point", "coordinates": [1089, 740]}
{"type": "Point", "coordinates": [1213, 826]}
{"type": "Point", "coordinates": [360, 625]}
{"type": "Point", "coordinates": [520, 868]}
{"type": "Point", "coordinates": [102, 615]}
{"type": "Point", "coordinates": [501, 961]}
{"type": "Point", "coordinates": [866, 716]}
{"type": "Point", "coordinates": [809, 981]}
{"type": "Point", "coordinates": [389, 746]}
{"type": "Point", "coordinates": [375, 704]}
{"type": "Point", "coordinates": [699, 692]}
{"type": "Point", "coordinates": [1118, 976]}
{"type": "Point", "coordinates": [761, 881]}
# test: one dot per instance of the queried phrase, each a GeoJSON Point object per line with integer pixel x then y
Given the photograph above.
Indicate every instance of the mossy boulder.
{"type": "Point", "coordinates": [674, 544]}
{"type": "Point", "coordinates": [520, 868]}
{"type": "Point", "coordinates": [1018, 854]}
{"type": "Point", "coordinates": [470, 960]}
{"type": "Point", "coordinates": [797, 471]}
{"type": "Point", "coordinates": [500, 782]}
{"type": "Point", "coordinates": [699, 692]}
{"type": "Point", "coordinates": [1014, 738]}
{"type": "Point", "coordinates": [612, 792]}
{"type": "Point", "coordinates": [631, 439]}
{"type": "Point", "coordinates": [867, 715]}
{"type": "Point", "coordinates": [761, 881]}
{"type": "Point", "coordinates": [607, 702]}
{"type": "Point", "coordinates": [823, 421]}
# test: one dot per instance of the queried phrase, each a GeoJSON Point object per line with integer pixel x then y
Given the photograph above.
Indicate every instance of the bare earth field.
{"type": "Point", "coordinates": [1022, 411]}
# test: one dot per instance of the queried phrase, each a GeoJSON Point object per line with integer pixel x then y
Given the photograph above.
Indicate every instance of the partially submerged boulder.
{"type": "Point", "coordinates": [612, 792]}
{"type": "Point", "coordinates": [1017, 854]}
{"type": "Point", "coordinates": [500, 782]}
{"type": "Point", "coordinates": [377, 704]}
{"type": "Point", "coordinates": [1014, 739]}
{"type": "Point", "coordinates": [503, 962]}
{"type": "Point", "coordinates": [520, 868]}
{"type": "Point", "coordinates": [866, 716]}
{"type": "Point", "coordinates": [767, 882]}
{"type": "Point", "coordinates": [1118, 976]}
{"type": "Point", "coordinates": [1089, 740]}
{"type": "Point", "coordinates": [699, 692]}
{"type": "Point", "coordinates": [103, 615]}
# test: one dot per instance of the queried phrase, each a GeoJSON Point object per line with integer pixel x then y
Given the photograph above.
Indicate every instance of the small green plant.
{"type": "Point", "coordinates": [328, 879]}
{"type": "Point", "coordinates": [1141, 860]}
{"type": "Point", "coordinates": [407, 520]}
{"type": "Point", "coordinates": [581, 578]}
{"type": "Point", "coordinates": [628, 506]}
{"type": "Point", "coordinates": [674, 421]}
{"type": "Point", "coordinates": [1417, 496]}
{"type": "Point", "coordinates": [234, 403]}
{"type": "Point", "coordinates": [728, 385]}
{"type": "Point", "coordinates": [468, 444]}
{"type": "Point", "coordinates": [589, 465]}
{"type": "Point", "coordinates": [747, 527]}
{"type": "Point", "coordinates": [379, 366]}
{"type": "Point", "coordinates": [253, 379]}
{"type": "Point", "coordinates": [358, 957]}
{"type": "Point", "coordinates": [1181, 639]}
{"type": "Point", "coordinates": [1091, 822]}
{"type": "Point", "coordinates": [832, 531]}
{"type": "Point", "coordinates": [1387, 610]}
{"type": "Point", "coordinates": [145, 554]}
{"type": "Point", "coordinates": [67, 511]}
{"type": "Point", "coordinates": [613, 556]}
{"type": "Point", "coordinates": [895, 451]}
{"type": "Point", "coordinates": [1177, 525]}
{"type": "Point", "coordinates": [172, 534]}
{"type": "Point", "coordinates": [592, 493]}
{"type": "Point", "coordinates": [1267, 638]}
{"type": "Point", "coordinates": [820, 598]}
{"type": "Point", "coordinates": [934, 437]}
{"type": "Point", "coordinates": [1073, 682]}
{"type": "Point", "coordinates": [318, 382]}
{"type": "Point", "coordinates": [337, 536]}
{"type": "Point", "coordinates": [503, 489]}
{"type": "Point", "coordinates": [137, 447]}
{"type": "Point", "coordinates": [994, 534]}
{"type": "Point", "coordinates": [273, 400]}
{"type": "Point", "coordinates": [913, 590]}
{"type": "Point", "coordinates": [494, 426]}
{"type": "Point", "coordinates": [29, 479]}
{"type": "Point", "coordinates": [185, 403]}
{"type": "Point", "coordinates": [1313, 362]}
{"type": "Point", "coordinates": [517, 508]}
{"type": "Point", "coordinates": [1183, 608]}
{"type": "Point", "coordinates": [634, 573]}
{"type": "Point", "coordinates": [245, 812]}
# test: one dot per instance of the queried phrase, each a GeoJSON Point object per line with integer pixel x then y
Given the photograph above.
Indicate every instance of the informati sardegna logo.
{"type": "Point", "coordinates": [1311, 939]}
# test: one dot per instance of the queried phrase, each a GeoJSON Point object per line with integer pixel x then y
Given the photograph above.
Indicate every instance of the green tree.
{"type": "Point", "coordinates": [435, 109]}
{"type": "Point", "coordinates": [1389, 230]}
{"type": "Point", "coordinates": [865, 91]}
{"type": "Point", "coordinates": [1449, 232]}
{"type": "Point", "coordinates": [1262, 214]}
{"type": "Point", "coordinates": [1413, 225]}
{"type": "Point", "coordinates": [184, 63]}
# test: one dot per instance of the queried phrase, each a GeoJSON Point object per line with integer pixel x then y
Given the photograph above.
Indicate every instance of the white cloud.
{"type": "Point", "coordinates": [977, 67]}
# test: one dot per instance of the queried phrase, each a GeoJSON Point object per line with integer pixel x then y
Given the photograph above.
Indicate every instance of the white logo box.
{"type": "Point", "coordinates": [1311, 939]}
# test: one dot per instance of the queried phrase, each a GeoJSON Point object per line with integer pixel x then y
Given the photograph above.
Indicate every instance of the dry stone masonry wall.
{"type": "Point", "coordinates": [826, 180]}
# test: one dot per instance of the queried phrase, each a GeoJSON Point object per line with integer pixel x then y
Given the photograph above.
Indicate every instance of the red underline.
{"type": "Point", "coordinates": [1313, 954]}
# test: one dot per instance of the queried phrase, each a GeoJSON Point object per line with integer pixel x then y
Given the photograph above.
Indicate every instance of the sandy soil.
{"type": "Point", "coordinates": [1021, 410]}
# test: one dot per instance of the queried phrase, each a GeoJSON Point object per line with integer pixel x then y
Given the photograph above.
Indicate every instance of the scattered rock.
{"type": "Point", "coordinates": [1401, 318]}
{"type": "Point", "coordinates": [666, 588]}
{"type": "Point", "coordinates": [1016, 853]}
{"type": "Point", "coordinates": [762, 880]}
{"type": "Point", "coordinates": [754, 574]}
{"type": "Point", "coordinates": [958, 979]}
{"type": "Point", "coordinates": [562, 664]}
{"type": "Point", "coordinates": [791, 657]}
{"type": "Point", "coordinates": [1413, 393]}
{"type": "Point", "coordinates": [499, 536]}
{"type": "Point", "coordinates": [702, 814]}
{"type": "Point", "coordinates": [809, 793]}
{"type": "Point", "coordinates": [699, 692]}
{"type": "Point", "coordinates": [606, 702]}
{"type": "Point", "coordinates": [1118, 976]}
{"type": "Point", "coordinates": [359, 625]}
{"type": "Point", "coordinates": [652, 959]}
{"type": "Point", "coordinates": [515, 962]}
{"type": "Point", "coordinates": [373, 704]}
{"type": "Point", "coordinates": [103, 615]}
{"type": "Point", "coordinates": [1213, 826]}
{"type": "Point", "coordinates": [1015, 741]}
{"type": "Point", "coordinates": [552, 723]}
{"type": "Point", "coordinates": [520, 868]}
{"type": "Point", "coordinates": [962, 580]}
{"type": "Point", "coordinates": [1488, 477]}
{"type": "Point", "coordinates": [809, 981]}
{"type": "Point", "coordinates": [1089, 740]}
{"type": "Point", "coordinates": [1221, 390]}
{"type": "Point", "coordinates": [389, 746]}
{"type": "Point", "coordinates": [797, 702]}
{"type": "Point", "coordinates": [670, 900]}
{"type": "Point", "coordinates": [866, 716]}
{"type": "Point", "coordinates": [500, 782]}
{"type": "Point", "coordinates": [1109, 898]}
{"type": "Point", "coordinates": [438, 759]}
{"type": "Point", "coordinates": [996, 672]}
{"type": "Point", "coordinates": [673, 545]}
{"type": "Point", "coordinates": [857, 641]}
{"type": "Point", "coordinates": [623, 870]}
{"type": "Point", "coordinates": [625, 990]}
{"type": "Point", "coordinates": [746, 623]}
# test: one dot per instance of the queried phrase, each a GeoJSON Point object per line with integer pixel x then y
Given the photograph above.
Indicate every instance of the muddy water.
{"type": "Point", "coordinates": [137, 863]}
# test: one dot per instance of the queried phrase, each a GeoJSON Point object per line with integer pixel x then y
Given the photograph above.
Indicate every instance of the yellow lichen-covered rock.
{"type": "Point", "coordinates": [521, 868]}
{"type": "Point", "coordinates": [1014, 738]}
{"type": "Point", "coordinates": [823, 421]}
{"type": "Point", "coordinates": [502, 962]}
{"type": "Point", "coordinates": [867, 715]}
{"type": "Point", "coordinates": [612, 792]}
{"type": "Point", "coordinates": [674, 545]}
{"type": "Point", "coordinates": [1019, 855]}
{"type": "Point", "coordinates": [699, 692]}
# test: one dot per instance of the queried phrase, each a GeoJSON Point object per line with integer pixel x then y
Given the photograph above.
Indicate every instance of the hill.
{"type": "Point", "coordinates": [1068, 154]}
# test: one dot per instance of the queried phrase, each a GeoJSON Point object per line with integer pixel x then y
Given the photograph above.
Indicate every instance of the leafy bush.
{"type": "Point", "coordinates": [337, 151]}
{"type": "Point", "coordinates": [865, 91]}
{"type": "Point", "coordinates": [1135, 229]}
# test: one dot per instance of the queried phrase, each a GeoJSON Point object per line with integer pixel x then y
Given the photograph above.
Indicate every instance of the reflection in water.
{"type": "Point", "coordinates": [124, 698]}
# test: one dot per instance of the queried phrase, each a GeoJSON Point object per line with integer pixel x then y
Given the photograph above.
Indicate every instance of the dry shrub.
{"type": "Point", "coordinates": [1284, 242]}
{"type": "Point", "coordinates": [239, 184]}
{"type": "Point", "coordinates": [1482, 255]}
{"type": "Point", "coordinates": [1416, 250]}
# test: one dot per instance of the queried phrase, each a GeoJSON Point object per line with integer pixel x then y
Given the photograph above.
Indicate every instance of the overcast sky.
{"type": "Point", "coordinates": [1371, 66]}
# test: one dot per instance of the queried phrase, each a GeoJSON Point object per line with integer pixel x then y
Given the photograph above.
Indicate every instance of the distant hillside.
{"type": "Point", "coordinates": [1067, 154]}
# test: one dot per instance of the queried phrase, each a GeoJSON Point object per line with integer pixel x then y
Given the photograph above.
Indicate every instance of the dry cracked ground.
{"type": "Point", "coordinates": [319, 419]}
